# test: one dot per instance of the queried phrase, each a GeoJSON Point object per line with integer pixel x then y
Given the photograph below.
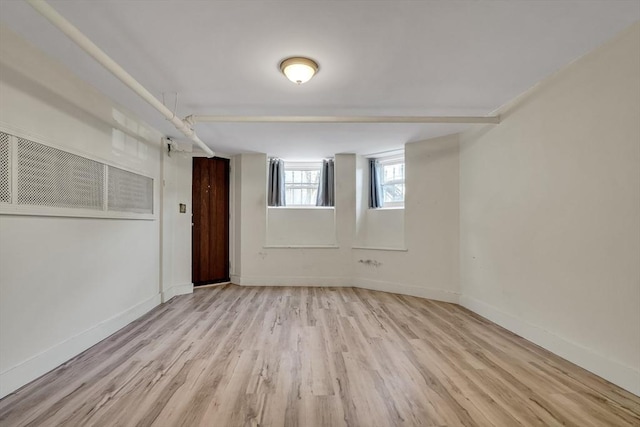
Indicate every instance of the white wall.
{"type": "Point", "coordinates": [323, 260]}
{"type": "Point", "coordinates": [381, 228]}
{"type": "Point", "coordinates": [427, 266]}
{"type": "Point", "coordinates": [236, 220]}
{"type": "Point", "coordinates": [550, 214]}
{"type": "Point", "coordinates": [535, 221]}
{"type": "Point", "coordinates": [176, 226]}
{"type": "Point", "coordinates": [301, 227]}
{"type": "Point", "coordinates": [375, 228]}
{"type": "Point", "coordinates": [66, 283]}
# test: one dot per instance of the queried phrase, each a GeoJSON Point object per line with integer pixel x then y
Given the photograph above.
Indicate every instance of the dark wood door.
{"type": "Point", "coordinates": [210, 231]}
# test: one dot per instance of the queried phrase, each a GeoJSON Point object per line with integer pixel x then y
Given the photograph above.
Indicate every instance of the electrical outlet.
{"type": "Point", "coordinates": [183, 208]}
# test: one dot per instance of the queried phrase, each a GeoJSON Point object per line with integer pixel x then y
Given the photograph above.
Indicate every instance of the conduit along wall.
{"type": "Point", "coordinates": [99, 55]}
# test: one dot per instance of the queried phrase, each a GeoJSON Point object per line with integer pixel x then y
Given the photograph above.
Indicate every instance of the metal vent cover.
{"type": "Point", "coordinates": [51, 177]}
{"type": "Point", "coordinates": [5, 168]}
{"type": "Point", "coordinates": [129, 192]}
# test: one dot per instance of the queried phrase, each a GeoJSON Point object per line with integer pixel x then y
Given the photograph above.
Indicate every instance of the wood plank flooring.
{"type": "Point", "coordinates": [248, 356]}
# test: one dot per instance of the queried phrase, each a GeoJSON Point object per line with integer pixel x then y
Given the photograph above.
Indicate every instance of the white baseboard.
{"type": "Point", "coordinates": [174, 290]}
{"type": "Point", "coordinates": [32, 368]}
{"type": "Point", "coordinates": [292, 281]}
{"type": "Point", "coordinates": [376, 285]}
{"type": "Point", "coordinates": [621, 375]}
{"type": "Point", "coordinates": [400, 288]}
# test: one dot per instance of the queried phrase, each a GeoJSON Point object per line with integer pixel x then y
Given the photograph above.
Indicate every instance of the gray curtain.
{"type": "Point", "coordinates": [326, 187]}
{"type": "Point", "coordinates": [276, 192]}
{"type": "Point", "coordinates": [375, 184]}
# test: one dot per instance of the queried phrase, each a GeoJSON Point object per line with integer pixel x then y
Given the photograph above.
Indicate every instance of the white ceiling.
{"type": "Point", "coordinates": [376, 58]}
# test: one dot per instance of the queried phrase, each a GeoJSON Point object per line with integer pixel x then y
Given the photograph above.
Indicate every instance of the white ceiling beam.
{"type": "Point", "coordinates": [343, 119]}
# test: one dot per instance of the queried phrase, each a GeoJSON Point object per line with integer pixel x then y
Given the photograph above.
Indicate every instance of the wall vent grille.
{"type": "Point", "coordinates": [5, 168]}
{"type": "Point", "coordinates": [129, 192]}
{"type": "Point", "coordinates": [51, 177]}
{"type": "Point", "coordinates": [37, 179]}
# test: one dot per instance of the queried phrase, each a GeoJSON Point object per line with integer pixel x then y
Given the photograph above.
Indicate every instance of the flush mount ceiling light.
{"type": "Point", "coordinates": [298, 69]}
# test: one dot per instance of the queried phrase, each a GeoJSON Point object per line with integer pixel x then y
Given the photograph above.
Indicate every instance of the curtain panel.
{"type": "Point", "coordinates": [326, 187]}
{"type": "Point", "coordinates": [276, 192]}
{"type": "Point", "coordinates": [375, 184]}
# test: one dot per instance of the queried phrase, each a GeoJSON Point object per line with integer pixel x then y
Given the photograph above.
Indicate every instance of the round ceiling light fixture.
{"type": "Point", "coordinates": [298, 69]}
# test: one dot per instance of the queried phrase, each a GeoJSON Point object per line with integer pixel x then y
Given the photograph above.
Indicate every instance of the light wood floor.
{"type": "Point", "coordinates": [242, 356]}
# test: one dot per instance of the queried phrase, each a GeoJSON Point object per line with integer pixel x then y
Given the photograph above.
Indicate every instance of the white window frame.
{"type": "Point", "coordinates": [389, 161]}
{"type": "Point", "coordinates": [302, 166]}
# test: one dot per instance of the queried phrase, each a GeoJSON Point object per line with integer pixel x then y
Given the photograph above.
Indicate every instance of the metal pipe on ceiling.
{"type": "Point", "coordinates": [99, 55]}
{"type": "Point", "coordinates": [193, 119]}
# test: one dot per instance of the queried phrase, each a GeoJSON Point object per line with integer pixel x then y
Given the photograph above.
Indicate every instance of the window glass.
{"type": "Point", "coordinates": [392, 182]}
{"type": "Point", "coordinates": [301, 182]}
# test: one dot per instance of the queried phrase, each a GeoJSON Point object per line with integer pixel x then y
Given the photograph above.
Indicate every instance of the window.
{"type": "Point", "coordinates": [392, 181]}
{"type": "Point", "coordinates": [301, 182]}
{"type": "Point", "coordinates": [393, 184]}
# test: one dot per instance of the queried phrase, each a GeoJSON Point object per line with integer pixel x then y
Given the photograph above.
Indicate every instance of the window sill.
{"type": "Point", "coordinates": [388, 208]}
{"type": "Point", "coordinates": [301, 247]}
{"type": "Point", "coordinates": [301, 207]}
{"type": "Point", "coordinates": [380, 248]}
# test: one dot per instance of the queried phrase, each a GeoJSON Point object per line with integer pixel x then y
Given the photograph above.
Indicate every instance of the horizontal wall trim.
{"type": "Point", "coordinates": [379, 248]}
{"type": "Point", "coordinates": [27, 210]}
{"type": "Point", "coordinates": [172, 291]}
{"type": "Point", "coordinates": [38, 365]}
{"type": "Point", "coordinates": [611, 370]}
